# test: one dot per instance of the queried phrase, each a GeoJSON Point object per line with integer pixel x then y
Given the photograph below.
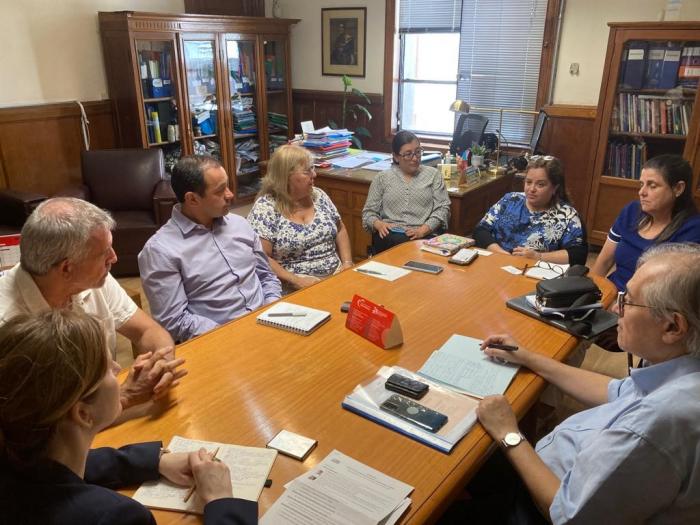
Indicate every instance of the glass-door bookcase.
{"type": "Point", "coordinates": [157, 66]}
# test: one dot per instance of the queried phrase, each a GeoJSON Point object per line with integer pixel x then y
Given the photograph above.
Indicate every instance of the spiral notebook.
{"type": "Point", "coordinates": [293, 317]}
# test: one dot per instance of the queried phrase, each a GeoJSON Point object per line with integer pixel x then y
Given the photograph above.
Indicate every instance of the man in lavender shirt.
{"type": "Point", "coordinates": [204, 267]}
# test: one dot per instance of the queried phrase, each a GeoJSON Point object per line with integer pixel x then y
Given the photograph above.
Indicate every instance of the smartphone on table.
{"type": "Point", "coordinates": [423, 267]}
{"type": "Point", "coordinates": [415, 413]}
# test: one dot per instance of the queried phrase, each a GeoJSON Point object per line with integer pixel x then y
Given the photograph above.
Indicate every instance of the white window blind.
{"type": "Point", "coordinates": [429, 15]}
{"type": "Point", "coordinates": [499, 60]}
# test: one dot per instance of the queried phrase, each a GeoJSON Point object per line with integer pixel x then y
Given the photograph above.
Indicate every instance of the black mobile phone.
{"type": "Point", "coordinates": [423, 267]}
{"type": "Point", "coordinates": [414, 413]}
{"type": "Point", "coordinates": [406, 386]}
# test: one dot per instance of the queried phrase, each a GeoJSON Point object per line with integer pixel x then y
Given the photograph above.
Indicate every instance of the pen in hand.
{"type": "Point", "coordinates": [499, 346]}
{"type": "Point", "coordinates": [286, 314]}
{"type": "Point", "coordinates": [194, 486]}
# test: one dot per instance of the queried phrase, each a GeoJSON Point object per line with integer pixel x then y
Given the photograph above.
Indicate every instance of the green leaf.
{"type": "Point", "coordinates": [361, 130]}
{"type": "Point", "coordinates": [362, 109]}
{"type": "Point", "coordinates": [361, 94]}
{"type": "Point", "coordinates": [347, 82]}
{"type": "Point", "coordinates": [333, 124]}
{"type": "Point", "coordinates": [356, 142]}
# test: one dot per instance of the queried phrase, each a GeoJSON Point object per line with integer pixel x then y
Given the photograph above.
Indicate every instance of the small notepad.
{"type": "Point", "coordinates": [301, 319]}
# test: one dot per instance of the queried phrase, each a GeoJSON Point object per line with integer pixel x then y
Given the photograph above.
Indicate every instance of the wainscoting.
{"type": "Point", "coordinates": [40, 145]}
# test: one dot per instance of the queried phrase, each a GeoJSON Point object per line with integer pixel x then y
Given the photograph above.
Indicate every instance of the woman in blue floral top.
{"type": "Point", "coordinates": [538, 223]}
{"type": "Point", "coordinates": [298, 224]}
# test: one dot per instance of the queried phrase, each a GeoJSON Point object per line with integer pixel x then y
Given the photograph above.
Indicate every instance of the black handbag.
{"type": "Point", "coordinates": [571, 292]}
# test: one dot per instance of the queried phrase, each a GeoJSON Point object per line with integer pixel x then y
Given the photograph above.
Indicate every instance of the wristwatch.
{"type": "Point", "coordinates": [512, 439]}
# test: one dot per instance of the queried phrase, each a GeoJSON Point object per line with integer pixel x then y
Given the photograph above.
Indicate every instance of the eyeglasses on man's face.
{"type": "Point", "coordinates": [417, 153]}
{"type": "Point", "coordinates": [545, 158]}
{"type": "Point", "coordinates": [622, 302]}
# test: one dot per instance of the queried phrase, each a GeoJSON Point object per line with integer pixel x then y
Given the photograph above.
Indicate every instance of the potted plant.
{"type": "Point", "coordinates": [354, 110]}
{"type": "Point", "coordinates": [478, 152]}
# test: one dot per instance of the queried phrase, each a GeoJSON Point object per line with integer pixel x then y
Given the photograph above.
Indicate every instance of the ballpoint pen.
{"type": "Point", "coordinates": [372, 272]}
{"type": "Point", "coordinates": [194, 487]}
{"type": "Point", "coordinates": [499, 346]}
{"type": "Point", "coordinates": [286, 314]}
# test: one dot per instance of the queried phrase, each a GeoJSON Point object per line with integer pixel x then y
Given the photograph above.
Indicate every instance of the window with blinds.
{"type": "Point", "coordinates": [486, 52]}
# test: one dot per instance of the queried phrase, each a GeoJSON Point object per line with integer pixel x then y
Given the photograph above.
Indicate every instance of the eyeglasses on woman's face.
{"type": "Point", "coordinates": [543, 157]}
{"type": "Point", "coordinates": [408, 155]}
{"type": "Point", "coordinates": [622, 302]}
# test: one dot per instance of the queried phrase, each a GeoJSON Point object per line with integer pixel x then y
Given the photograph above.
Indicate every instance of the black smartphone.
{"type": "Point", "coordinates": [406, 386]}
{"type": "Point", "coordinates": [414, 413]}
{"type": "Point", "coordinates": [423, 267]}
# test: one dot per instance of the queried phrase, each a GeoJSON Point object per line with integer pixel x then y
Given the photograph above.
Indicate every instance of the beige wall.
{"type": "Point", "coordinates": [51, 49]}
{"type": "Point", "coordinates": [584, 39]}
{"type": "Point", "coordinates": [306, 44]}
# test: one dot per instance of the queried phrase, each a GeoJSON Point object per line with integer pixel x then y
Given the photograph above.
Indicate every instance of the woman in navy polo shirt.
{"type": "Point", "coordinates": [665, 212]}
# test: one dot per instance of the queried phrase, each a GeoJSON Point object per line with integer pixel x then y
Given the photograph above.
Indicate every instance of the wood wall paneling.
{"type": "Point", "coordinates": [567, 135]}
{"type": "Point", "coordinates": [40, 145]}
{"type": "Point", "coordinates": [322, 106]}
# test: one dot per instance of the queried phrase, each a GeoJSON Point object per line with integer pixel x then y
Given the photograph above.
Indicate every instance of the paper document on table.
{"type": "Point", "coordinates": [374, 156]}
{"type": "Point", "coordinates": [249, 467]}
{"type": "Point", "coordinates": [349, 161]}
{"type": "Point", "coordinates": [379, 166]}
{"type": "Point", "coordinates": [382, 271]}
{"type": "Point", "coordinates": [545, 270]}
{"type": "Point", "coordinates": [339, 490]}
{"type": "Point", "coordinates": [366, 400]}
{"type": "Point", "coordinates": [461, 365]}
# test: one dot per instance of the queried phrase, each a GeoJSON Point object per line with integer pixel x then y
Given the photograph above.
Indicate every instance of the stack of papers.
{"type": "Point", "coordinates": [340, 490]}
{"type": "Point", "coordinates": [327, 143]}
{"type": "Point", "coordinates": [244, 122]}
{"type": "Point", "coordinates": [460, 410]}
{"type": "Point", "coordinates": [461, 365]}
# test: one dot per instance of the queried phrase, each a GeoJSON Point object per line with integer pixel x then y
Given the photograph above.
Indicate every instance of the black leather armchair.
{"type": "Point", "coordinates": [15, 207]}
{"type": "Point", "coordinates": [131, 185]}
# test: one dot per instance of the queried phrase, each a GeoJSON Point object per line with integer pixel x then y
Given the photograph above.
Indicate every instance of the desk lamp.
{"type": "Point", "coordinates": [462, 107]}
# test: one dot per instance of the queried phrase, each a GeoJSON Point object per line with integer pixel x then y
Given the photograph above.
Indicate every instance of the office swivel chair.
{"type": "Point", "coordinates": [520, 162]}
{"type": "Point", "coordinates": [470, 129]}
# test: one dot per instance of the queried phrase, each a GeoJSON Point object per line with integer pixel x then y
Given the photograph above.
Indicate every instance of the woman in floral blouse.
{"type": "Point", "coordinates": [538, 223]}
{"type": "Point", "coordinates": [300, 228]}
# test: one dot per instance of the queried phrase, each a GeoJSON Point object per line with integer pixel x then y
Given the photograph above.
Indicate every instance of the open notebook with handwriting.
{"type": "Point", "coordinates": [293, 317]}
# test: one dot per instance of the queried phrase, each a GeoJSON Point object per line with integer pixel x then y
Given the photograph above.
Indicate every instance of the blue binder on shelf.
{"type": "Point", "coordinates": [669, 69]}
{"type": "Point", "coordinates": [655, 62]}
{"type": "Point", "coordinates": [635, 65]}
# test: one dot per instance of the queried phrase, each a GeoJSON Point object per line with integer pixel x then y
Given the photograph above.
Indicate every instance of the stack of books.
{"type": "Point", "coordinates": [327, 143]}
{"type": "Point", "coordinates": [244, 122]}
{"type": "Point", "coordinates": [277, 121]}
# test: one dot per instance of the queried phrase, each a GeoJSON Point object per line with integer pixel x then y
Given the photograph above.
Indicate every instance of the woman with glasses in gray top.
{"type": "Point", "coordinates": [408, 201]}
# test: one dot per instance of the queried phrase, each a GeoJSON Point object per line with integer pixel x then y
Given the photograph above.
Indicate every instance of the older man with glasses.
{"type": "Point", "coordinates": [633, 457]}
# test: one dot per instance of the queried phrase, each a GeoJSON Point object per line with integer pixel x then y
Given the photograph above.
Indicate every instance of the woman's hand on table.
{"type": "Point", "coordinates": [419, 232]}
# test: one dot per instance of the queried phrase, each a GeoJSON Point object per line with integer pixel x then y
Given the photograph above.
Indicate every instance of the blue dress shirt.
{"type": "Point", "coordinates": [635, 459]}
{"type": "Point", "coordinates": [197, 279]}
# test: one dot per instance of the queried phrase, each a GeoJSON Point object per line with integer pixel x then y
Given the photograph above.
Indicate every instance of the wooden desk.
{"type": "Point", "coordinates": [348, 190]}
{"type": "Point", "coordinates": [247, 381]}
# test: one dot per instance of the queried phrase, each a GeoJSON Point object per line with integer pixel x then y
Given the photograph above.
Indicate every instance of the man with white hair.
{"type": "Point", "coordinates": [633, 457]}
{"type": "Point", "coordinates": [65, 257]}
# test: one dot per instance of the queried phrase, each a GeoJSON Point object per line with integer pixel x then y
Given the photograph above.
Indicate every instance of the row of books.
{"type": "Point", "coordinates": [277, 121]}
{"type": "Point", "coordinates": [659, 65]}
{"type": "Point", "coordinates": [154, 70]}
{"type": "Point", "coordinates": [651, 114]}
{"type": "Point", "coordinates": [625, 159]}
{"type": "Point", "coordinates": [244, 120]}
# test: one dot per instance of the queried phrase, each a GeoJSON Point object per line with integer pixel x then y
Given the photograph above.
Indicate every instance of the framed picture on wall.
{"type": "Point", "coordinates": [343, 35]}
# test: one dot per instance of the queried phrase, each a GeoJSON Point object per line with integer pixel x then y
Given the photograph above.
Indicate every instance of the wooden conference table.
{"type": "Point", "coordinates": [246, 381]}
